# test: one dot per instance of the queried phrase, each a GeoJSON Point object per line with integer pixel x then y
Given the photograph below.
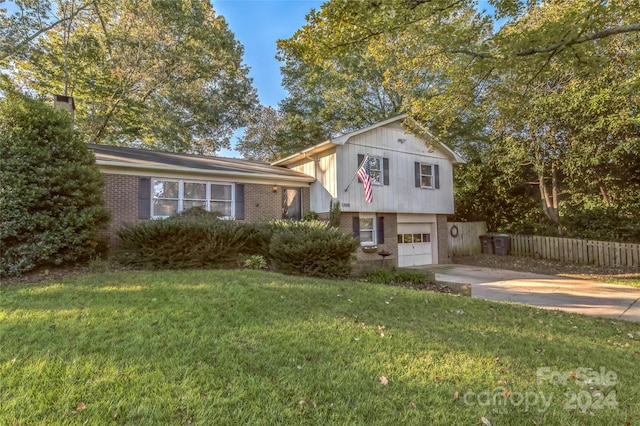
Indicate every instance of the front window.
{"type": "Point", "coordinates": [375, 170]}
{"type": "Point", "coordinates": [426, 175]}
{"type": "Point", "coordinates": [367, 231]}
{"type": "Point", "coordinates": [195, 195]}
{"type": "Point", "coordinates": [166, 197]}
{"type": "Point", "coordinates": [173, 196]}
{"type": "Point", "coordinates": [221, 199]}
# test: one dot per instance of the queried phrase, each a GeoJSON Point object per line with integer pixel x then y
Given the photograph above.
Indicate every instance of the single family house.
{"type": "Point", "coordinates": [401, 209]}
{"type": "Point", "coordinates": [401, 212]}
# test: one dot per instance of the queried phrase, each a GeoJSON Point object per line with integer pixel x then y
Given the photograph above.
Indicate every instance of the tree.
{"type": "Point", "coordinates": [51, 195]}
{"type": "Point", "coordinates": [546, 102]}
{"type": "Point", "coordinates": [165, 75]}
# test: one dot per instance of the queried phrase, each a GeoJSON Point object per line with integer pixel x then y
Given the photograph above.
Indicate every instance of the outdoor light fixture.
{"type": "Point", "coordinates": [275, 188]}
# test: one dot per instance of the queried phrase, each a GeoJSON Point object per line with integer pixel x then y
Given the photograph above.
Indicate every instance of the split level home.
{"type": "Point", "coordinates": [403, 216]}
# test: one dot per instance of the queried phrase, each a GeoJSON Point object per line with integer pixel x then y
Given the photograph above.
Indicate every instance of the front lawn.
{"type": "Point", "coordinates": [248, 347]}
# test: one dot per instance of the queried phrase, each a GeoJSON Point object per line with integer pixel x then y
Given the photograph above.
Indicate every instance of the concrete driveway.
{"type": "Point", "coordinates": [546, 291]}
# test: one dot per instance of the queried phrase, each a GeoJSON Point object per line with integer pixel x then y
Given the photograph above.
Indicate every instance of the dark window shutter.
{"type": "Point", "coordinates": [417, 173]}
{"type": "Point", "coordinates": [239, 201]}
{"type": "Point", "coordinates": [356, 226]}
{"type": "Point", "coordinates": [380, 230]}
{"type": "Point", "coordinates": [144, 198]}
{"type": "Point", "coordinates": [436, 176]}
{"type": "Point", "coordinates": [360, 158]}
{"type": "Point", "coordinates": [385, 170]}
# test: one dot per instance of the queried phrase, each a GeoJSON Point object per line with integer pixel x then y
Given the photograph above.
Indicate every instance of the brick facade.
{"type": "Point", "coordinates": [390, 244]}
{"type": "Point", "coordinates": [121, 200]}
{"type": "Point", "coordinates": [443, 239]}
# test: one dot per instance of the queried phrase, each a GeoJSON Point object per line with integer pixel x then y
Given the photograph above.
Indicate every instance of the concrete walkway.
{"type": "Point", "coordinates": [546, 291]}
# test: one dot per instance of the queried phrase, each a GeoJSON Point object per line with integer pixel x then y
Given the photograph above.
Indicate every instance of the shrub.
{"type": "Point", "coordinates": [186, 243]}
{"type": "Point", "coordinates": [310, 215]}
{"type": "Point", "coordinates": [311, 248]}
{"type": "Point", "coordinates": [258, 237]}
{"type": "Point", "coordinates": [196, 212]}
{"type": "Point", "coordinates": [602, 223]}
{"type": "Point", "coordinates": [399, 277]}
{"type": "Point", "coordinates": [255, 262]}
{"type": "Point", "coordinates": [334, 214]}
{"type": "Point", "coordinates": [51, 203]}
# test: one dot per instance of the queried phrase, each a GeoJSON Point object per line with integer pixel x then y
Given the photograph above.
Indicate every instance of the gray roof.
{"type": "Point", "coordinates": [140, 158]}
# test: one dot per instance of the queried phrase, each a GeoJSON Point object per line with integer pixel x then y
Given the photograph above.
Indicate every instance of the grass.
{"type": "Point", "coordinates": [250, 347]}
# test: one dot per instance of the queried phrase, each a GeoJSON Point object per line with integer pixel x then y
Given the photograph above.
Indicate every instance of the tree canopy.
{"type": "Point", "coordinates": [541, 96]}
{"type": "Point", "coordinates": [166, 75]}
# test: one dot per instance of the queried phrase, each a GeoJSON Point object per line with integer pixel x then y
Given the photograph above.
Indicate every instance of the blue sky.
{"type": "Point", "coordinates": [258, 25]}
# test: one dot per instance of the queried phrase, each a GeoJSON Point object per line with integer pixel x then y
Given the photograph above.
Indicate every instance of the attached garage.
{"type": "Point", "coordinates": [416, 241]}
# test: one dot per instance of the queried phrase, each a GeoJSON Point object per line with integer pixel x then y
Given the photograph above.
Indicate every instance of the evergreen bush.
{"type": "Point", "coordinates": [191, 242]}
{"type": "Point", "coordinates": [51, 203]}
{"type": "Point", "coordinates": [311, 248]}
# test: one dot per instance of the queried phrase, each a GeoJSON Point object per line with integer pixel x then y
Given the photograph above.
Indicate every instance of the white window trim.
{"type": "Point", "coordinates": [432, 175]}
{"type": "Point", "coordinates": [374, 236]}
{"type": "Point", "coordinates": [208, 201]}
{"type": "Point", "coordinates": [381, 163]}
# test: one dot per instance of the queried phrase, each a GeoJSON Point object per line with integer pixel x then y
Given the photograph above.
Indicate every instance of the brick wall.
{"type": "Point", "coordinates": [261, 203]}
{"type": "Point", "coordinates": [390, 239]}
{"type": "Point", "coordinates": [121, 200]}
{"type": "Point", "coordinates": [443, 239]}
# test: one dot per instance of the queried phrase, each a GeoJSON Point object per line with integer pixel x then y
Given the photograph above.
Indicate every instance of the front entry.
{"type": "Point", "coordinates": [414, 244]}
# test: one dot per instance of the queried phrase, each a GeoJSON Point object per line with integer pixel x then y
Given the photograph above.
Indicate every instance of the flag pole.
{"type": "Point", "coordinates": [366, 158]}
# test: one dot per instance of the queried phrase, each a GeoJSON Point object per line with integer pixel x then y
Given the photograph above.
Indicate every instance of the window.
{"type": "Point", "coordinates": [367, 231]}
{"type": "Point", "coordinates": [166, 196]}
{"type": "Point", "coordinates": [378, 169]}
{"type": "Point", "coordinates": [172, 196]}
{"type": "Point", "coordinates": [375, 170]}
{"type": "Point", "coordinates": [414, 238]}
{"type": "Point", "coordinates": [291, 204]}
{"type": "Point", "coordinates": [426, 175]}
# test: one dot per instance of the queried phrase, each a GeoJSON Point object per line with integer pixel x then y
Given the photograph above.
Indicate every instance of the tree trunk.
{"type": "Point", "coordinates": [549, 198]}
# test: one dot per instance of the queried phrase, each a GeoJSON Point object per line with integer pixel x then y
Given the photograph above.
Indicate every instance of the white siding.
{"type": "Point", "coordinates": [401, 195]}
{"type": "Point", "coordinates": [325, 188]}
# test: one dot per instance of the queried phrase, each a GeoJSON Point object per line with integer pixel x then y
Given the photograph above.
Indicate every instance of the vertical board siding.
{"type": "Point", "coordinates": [600, 253]}
{"type": "Point", "coordinates": [468, 240]}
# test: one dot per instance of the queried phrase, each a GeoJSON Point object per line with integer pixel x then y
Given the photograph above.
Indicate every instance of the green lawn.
{"type": "Point", "coordinates": [248, 347]}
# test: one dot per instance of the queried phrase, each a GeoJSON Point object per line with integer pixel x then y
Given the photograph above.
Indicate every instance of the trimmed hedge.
{"type": "Point", "coordinates": [190, 242]}
{"type": "Point", "coordinates": [305, 248]}
{"type": "Point", "coordinates": [311, 248]}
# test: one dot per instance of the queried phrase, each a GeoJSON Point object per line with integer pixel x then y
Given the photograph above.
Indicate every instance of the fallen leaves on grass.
{"type": "Point", "coordinates": [81, 406]}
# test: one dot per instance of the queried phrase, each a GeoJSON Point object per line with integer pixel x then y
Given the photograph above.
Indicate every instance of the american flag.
{"type": "Point", "coordinates": [364, 173]}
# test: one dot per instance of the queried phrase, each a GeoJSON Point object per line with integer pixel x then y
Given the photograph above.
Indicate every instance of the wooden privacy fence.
{"type": "Point", "coordinates": [464, 237]}
{"type": "Point", "coordinates": [601, 253]}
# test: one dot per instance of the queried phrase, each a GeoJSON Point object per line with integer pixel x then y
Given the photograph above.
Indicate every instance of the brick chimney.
{"type": "Point", "coordinates": [65, 103]}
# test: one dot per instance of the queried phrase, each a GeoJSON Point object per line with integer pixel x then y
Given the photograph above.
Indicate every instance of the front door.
{"type": "Point", "coordinates": [291, 204]}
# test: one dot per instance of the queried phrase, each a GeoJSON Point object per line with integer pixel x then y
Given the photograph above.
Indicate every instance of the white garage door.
{"type": "Point", "coordinates": [414, 244]}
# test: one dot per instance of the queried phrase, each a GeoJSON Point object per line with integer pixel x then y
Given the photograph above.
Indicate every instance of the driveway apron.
{"type": "Point", "coordinates": [546, 291]}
